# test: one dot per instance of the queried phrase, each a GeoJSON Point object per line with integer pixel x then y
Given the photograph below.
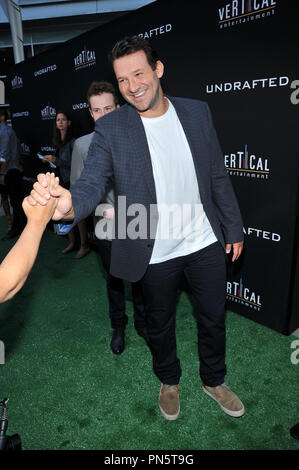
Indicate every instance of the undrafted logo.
{"type": "Point", "coordinates": [239, 293]}
{"type": "Point", "coordinates": [247, 85]}
{"type": "Point", "coordinates": [262, 234]}
{"type": "Point", "coordinates": [50, 68]}
{"type": "Point", "coordinates": [243, 11]}
{"type": "Point", "coordinates": [156, 31]}
{"type": "Point", "coordinates": [78, 106]}
{"type": "Point", "coordinates": [85, 59]}
{"type": "Point", "coordinates": [20, 114]}
{"type": "Point", "coordinates": [245, 164]}
{"type": "Point", "coordinates": [48, 112]}
{"type": "Point", "coordinates": [47, 148]}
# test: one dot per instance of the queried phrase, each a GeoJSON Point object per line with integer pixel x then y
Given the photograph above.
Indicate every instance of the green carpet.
{"type": "Point", "coordinates": [68, 391]}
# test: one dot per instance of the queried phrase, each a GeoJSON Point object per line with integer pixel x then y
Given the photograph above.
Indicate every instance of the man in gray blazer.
{"type": "Point", "coordinates": [165, 160]}
{"type": "Point", "coordinates": [102, 99]}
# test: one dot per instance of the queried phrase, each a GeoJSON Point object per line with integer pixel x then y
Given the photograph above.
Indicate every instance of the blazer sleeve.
{"type": "Point", "coordinates": [88, 190]}
{"type": "Point", "coordinates": [223, 195]}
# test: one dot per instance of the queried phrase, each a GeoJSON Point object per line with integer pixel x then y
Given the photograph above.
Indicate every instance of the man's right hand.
{"type": "Point", "coordinates": [41, 194]}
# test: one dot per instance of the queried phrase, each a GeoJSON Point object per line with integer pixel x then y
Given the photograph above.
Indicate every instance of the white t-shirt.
{"type": "Point", "coordinates": [183, 226]}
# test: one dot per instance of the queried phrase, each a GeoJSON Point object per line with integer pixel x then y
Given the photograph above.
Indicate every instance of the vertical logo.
{"type": "Point", "coordinates": [25, 149]}
{"type": "Point", "coordinates": [243, 11]}
{"type": "Point", "coordinates": [85, 59]}
{"type": "Point", "coordinates": [244, 163]}
{"type": "Point", "coordinates": [239, 293]}
{"type": "Point", "coordinates": [17, 82]}
{"type": "Point", "coordinates": [48, 112]}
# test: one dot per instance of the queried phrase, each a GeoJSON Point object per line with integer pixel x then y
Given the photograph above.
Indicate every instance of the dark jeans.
{"type": "Point", "coordinates": [14, 183]}
{"type": "Point", "coordinates": [205, 271]}
{"type": "Point", "coordinates": [116, 293]}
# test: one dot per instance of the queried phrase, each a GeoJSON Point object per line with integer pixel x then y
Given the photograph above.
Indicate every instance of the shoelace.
{"type": "Point", "coordinates": [169, 388]}
{"type": "Point", "coordinates": [220, 388]}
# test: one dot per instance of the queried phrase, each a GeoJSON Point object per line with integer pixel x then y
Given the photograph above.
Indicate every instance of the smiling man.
{"type": "Point", "coordinates": [163, 152]}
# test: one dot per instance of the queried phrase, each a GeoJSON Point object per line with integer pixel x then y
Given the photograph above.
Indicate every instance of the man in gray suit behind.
{"type": "Point", "coordinates": [166, 163]}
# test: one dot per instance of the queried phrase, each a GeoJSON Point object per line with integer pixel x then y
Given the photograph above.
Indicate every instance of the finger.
{"type": "Point", "coordinates": [52, 182]}
{"type": "Point", "coordinates": [38, 198]}
{"type": "Point", "coordinates": [25, 202]}
{"type": "Point", "coordinates": [42, 192]}
{"type": "Point", "coordinates": [57, 191]}
{"type": "Point", "coordinates": [228, 248]}
{"type": "Point", "coordinates": [31, 201]}
{"type": "Point", "coordinates": [237, 252]}
{"type": "Point", "coordinates": [41, 178]}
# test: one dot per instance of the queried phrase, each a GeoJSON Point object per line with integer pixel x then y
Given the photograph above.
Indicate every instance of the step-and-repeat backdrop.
{"type": "Point", "coordinates": [241, 57]}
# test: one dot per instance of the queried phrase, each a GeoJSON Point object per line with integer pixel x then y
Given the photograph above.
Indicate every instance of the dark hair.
{"type": "Point", "coordinates": [57, 142]}
{"type": "Point", "coordinates": [98, 88]}
{"type": "Point", "coordinates": [131, 44]}
{"type": "Point", "coordinates": [3, 112]}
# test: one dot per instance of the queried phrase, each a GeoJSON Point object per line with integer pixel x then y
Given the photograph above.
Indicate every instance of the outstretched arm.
{"type": "Point", "coordinates": [16, 266]}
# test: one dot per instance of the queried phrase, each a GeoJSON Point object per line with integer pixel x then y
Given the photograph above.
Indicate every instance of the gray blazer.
{"type": "Point", "coordinates": [79, 155]}
{"type": "Point", "coordinates": [119, 150]}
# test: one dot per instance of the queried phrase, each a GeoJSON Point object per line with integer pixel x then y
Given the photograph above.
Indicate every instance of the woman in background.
{"type": "Point", "coordinates": [63, 141]}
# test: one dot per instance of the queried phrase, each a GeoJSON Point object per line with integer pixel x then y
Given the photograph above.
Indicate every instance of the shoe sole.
{"type": "Point", "coordinates": [169, 417]}
{"type": "Point", "coordinates": [166, 416]}
{"type": "Point", "coordinates": [234, 414]}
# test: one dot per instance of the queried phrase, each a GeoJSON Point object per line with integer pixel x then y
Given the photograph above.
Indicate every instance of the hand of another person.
{"type": "Point", "coordinates": [42, 214]}
{"type": "Point", "coordinates": [41, 194]}
{"type": "Point", "coordinates": [237, 249]}
{"type": "Point", "coordinates": [49, 158]}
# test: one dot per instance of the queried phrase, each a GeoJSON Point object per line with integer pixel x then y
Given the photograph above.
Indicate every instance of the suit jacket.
{"type": "Point", "coordinates": [9, 148]}
{"type": "Point", "coordinates": [119, 150]}
{"type": "Point", "coordinates": [64, 159]}
{"type": "Point", "coordinates": [79, 155]}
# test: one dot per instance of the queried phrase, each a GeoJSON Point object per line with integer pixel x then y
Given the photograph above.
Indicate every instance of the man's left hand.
{"type": "Point", "coordinates": [237, 249]}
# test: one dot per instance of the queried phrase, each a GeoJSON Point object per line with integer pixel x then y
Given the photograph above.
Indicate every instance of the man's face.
{"type": "Point", "coordinates": [138, 83]}
{"type": "Point", "coordinates": [101, 104]}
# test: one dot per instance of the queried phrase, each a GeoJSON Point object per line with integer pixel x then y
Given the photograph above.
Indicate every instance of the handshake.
{"type": "Point", "coordinates": [49, 198]}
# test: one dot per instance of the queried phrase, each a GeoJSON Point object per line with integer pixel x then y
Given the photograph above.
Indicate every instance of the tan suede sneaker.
{"type": "Point", "coordinates": [169, 401]}
{"type": "Point", "coordinates": [226, 399]}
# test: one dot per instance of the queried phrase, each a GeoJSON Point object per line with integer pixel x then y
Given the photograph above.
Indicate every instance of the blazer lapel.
{"type": "Point", "coordinates": [140, 150]}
